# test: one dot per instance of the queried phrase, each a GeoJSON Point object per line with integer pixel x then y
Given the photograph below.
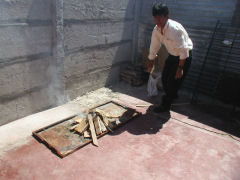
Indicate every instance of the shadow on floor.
{"type": "Point", "coordinates": [212, 116]}
{"type": "Point", "coordinates": [149, 123]}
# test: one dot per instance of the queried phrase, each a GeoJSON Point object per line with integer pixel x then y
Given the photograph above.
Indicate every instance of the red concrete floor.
{"type": "Point", "coordinates": [148, 147]}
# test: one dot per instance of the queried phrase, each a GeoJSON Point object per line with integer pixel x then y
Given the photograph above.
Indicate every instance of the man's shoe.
{"type": "Point", "coordinates": [160, 109]}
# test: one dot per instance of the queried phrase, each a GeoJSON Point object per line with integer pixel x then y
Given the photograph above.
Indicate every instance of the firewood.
{"type": "Point", "coordinates": [142, 105]}
{"type": "Point", "coordinates": [81, 127]}
{"type": "Point", "coordinates": [86, 134]}
{"type": "Point", "coordinates": [102, 126]}
{"type": "Point", "coordinates": [73, 127]}
{"type": "Point", "coordinates": [106, 123]}
{"type": "Point", "coordinates": [79, 118]}
{"type": "Point", "coordinates": [129, 81]}
{"type": "Point", "coordinates": [97, 125]}
{"type": "Point", "coordinates": [133, 74]}
{"type": "Point", "coordinates": [92, 130]}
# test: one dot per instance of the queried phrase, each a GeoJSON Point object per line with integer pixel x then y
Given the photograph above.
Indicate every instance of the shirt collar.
{"type": "Point", "coordinates": [164, 28]}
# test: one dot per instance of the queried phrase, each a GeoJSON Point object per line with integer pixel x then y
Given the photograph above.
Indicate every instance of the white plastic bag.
{"type": "Point", "coordinates": [152, 83]}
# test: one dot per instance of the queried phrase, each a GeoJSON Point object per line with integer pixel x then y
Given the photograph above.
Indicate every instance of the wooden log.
{"type": "Point", "coordinates": [79, 119]}
{"type": "Point", "coordinates": [126, 76]}
{"type": "Point", "coordinates": [73, 127]}
{"type": "Point", "coordinates": [81, 127]}
{"type": "Point", "coordinates": [106, 123]}
{"type": "Point", "coordinates": [131, 74]}
{"type": "Point", "coordinates": [102, 126]}
{"type": "Point", "coordinates": [86, 134]}
{"type": "Point", "coordinates": [129, 81]}
{"type": "Point", "coordinates": [92, 130]}
{"type": "Point", "coordinates": [112, 120]}
{"type": "Point", "coordinates": [82, 124]}
{"type": "Point", "coordinates": [142, 105]}
{"type": "Point", "coordinates": [97, 125]}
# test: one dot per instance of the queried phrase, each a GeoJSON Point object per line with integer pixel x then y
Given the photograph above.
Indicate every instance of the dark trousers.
{"type": "Point", "coordinates": [170, 84]}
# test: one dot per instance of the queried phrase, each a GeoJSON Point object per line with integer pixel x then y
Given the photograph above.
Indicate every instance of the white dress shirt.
{"type": "Point", "coordinates": [174, 37]}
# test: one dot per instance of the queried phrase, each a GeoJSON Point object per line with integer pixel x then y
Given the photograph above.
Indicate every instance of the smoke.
{"type": "Point", "coordinates": [56, 90]}
{"type": "Point", "coordinates": [56, 69]}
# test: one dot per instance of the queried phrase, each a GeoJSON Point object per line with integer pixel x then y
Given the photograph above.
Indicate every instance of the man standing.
{"type": "Point", "coordinates": [179, 46]}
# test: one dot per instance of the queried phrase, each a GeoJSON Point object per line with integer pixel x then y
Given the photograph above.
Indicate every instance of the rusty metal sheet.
{"type": "Point", "coordinates": [62, 140]}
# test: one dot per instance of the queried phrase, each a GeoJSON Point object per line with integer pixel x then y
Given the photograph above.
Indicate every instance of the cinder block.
{"type": "Point", "coordinates": [85, 35]}
{"type": "Point", "coordinates": [17, 41]}
{"type": "Point", "coordinates": [27, 9]}
{"type": "Point", "coordinates": [25, 105]}
{"type": "Point", "coordinates": [90, 61]}
{"type": "Point", "coordinates": [16, 78]}
{"type": "Point", "coordinates": [98, 9]}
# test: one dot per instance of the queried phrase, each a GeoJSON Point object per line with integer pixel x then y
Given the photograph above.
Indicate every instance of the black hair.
{"type": "Point", "coordinates": [160, 9]}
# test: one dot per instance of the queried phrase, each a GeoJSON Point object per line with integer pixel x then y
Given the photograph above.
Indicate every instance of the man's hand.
{"type": "Point", "coordinates": [179, 73]}
{"type": "Point", "coordinates": [149, 65]}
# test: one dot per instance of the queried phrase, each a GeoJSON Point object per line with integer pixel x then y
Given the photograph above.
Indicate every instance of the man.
{"type": "Point", "coordinates": [179, 46]}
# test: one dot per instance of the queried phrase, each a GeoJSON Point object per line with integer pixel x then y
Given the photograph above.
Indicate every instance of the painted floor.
{"type": "Point", "coordinates": [187, 144]}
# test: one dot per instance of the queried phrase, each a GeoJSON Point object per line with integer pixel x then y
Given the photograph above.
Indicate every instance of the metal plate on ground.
{"type": "Point", "coordinates": [64, 141]}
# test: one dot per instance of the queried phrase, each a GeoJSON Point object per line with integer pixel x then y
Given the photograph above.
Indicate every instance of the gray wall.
{"type": "Point", "coordinates": [52, 51]}
{"type": "Point", "coordinates": [199, 18]}
{"type": "Point", "coordinates": [98, 40]}
{"type": "Point", "coordinates": [25, 56]}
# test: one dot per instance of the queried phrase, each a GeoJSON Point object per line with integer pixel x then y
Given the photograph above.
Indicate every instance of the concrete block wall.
{"type": "Point", "coordinates": [25, 56]}
{"type": "Point", "coordinates": [98, 41]}
{"type": "Point", "coordinates": [52, 51]}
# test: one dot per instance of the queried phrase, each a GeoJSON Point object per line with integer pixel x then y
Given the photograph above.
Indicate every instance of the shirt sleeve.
{"type": "Point", "coordinates": [155, 45]}
{"type": "Point", "coordinates": [181, 44]}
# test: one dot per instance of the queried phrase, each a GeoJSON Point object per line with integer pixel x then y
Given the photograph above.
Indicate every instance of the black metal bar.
{"type": "Point", "coordinates": [221, 74]}
{"type": "Point", "coordinates": [204, 63]}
